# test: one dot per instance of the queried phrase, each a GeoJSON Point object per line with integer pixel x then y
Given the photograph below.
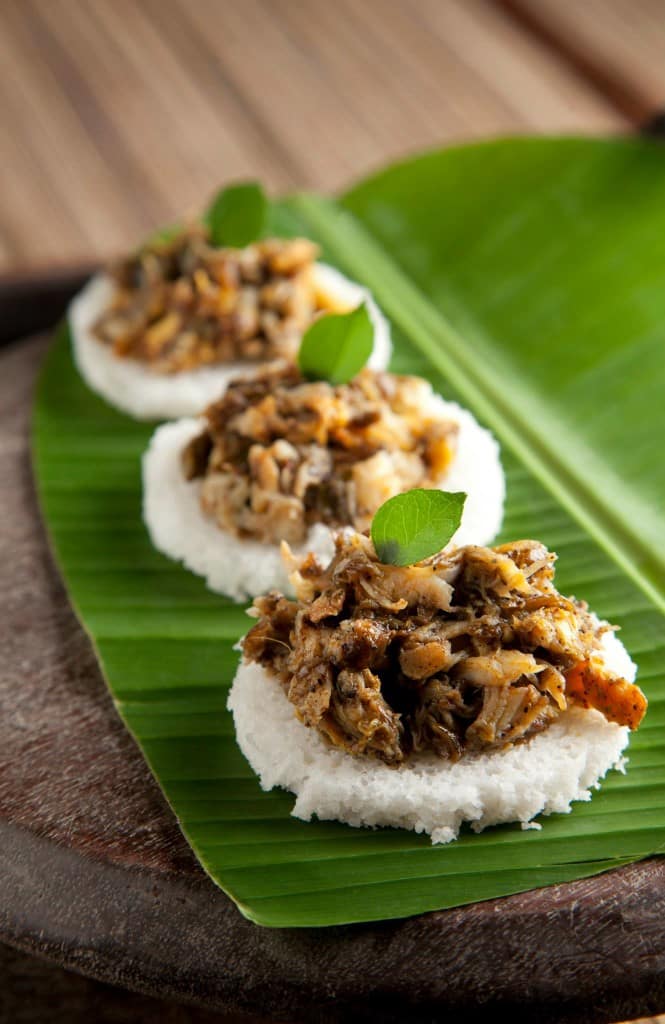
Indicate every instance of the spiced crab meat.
{"type": "Point", "coordinates": [470, 651]}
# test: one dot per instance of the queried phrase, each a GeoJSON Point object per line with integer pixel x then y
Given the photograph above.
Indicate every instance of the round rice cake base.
{"type": "Point", "coordinates": [243, 568]}
{"type": "Point", "coordinates": [543, 775]}
{"type": "Point", "coordinates": [133, 388]}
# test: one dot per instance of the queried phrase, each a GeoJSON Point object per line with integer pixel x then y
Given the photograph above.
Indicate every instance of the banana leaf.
{"type": "Point", "coordinates": [526, 278]}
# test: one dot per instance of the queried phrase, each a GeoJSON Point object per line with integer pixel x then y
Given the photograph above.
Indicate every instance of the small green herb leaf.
{"type": "Point", "coordinates": [237, 215]}
{"type": "Point", "coordinates": [164, 235]}
{"type": "Point", "coordinates": [337, 346]}
{"type": "Point", "coordinates": [415, 525]}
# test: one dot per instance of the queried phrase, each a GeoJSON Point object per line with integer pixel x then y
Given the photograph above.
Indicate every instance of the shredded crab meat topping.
{"type": "Point", "coordinates": [182, 304]}
{"type": "Point", "coordinates": [280, 453]}
{"type": "Point", "coordinates": [471, 650]}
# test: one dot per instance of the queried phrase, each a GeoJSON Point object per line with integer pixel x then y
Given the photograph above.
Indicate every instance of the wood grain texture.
{"type": "Point", "coordinates": [120, 114]}
{"type": "Point", "coordinates": [95, 875]}
{"type": "Point", "coordinates": [617, 45]}
{"type": "Point", "coordinates": [34, 991]}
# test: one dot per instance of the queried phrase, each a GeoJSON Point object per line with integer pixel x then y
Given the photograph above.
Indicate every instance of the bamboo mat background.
{"type": "Point", "coordinates": [118, 114]}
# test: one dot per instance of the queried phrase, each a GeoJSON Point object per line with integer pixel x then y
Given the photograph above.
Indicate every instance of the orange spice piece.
{"type": "Point", "coordinates": [590, 685]}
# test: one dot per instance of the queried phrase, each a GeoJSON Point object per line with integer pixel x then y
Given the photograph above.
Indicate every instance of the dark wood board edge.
{"type": "Point", "coordinates": [34, 301]}
{"type": "Point", "coordinates": [572, 954]}
{"type": "Point", "coordinates": [654, 126]}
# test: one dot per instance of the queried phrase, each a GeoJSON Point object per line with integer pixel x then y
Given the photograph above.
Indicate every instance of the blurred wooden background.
{"type": "Point", "coordinates": [119, 114]}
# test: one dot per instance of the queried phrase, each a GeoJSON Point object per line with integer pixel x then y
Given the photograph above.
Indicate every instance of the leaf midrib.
{"type": "Point", "coordinates": [506, 412]}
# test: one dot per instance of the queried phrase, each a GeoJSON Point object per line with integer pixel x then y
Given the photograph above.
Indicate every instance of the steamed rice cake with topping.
{"type": "Point", "coordinates": [279, 457]}
{"type": "Point", "coordinates": [462, 688]}
{"type": "Point", "coordinates": [164, 330]}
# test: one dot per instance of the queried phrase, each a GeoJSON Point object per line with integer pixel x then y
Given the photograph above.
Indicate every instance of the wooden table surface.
{"type": "Point", "coordinates": [119, 114]}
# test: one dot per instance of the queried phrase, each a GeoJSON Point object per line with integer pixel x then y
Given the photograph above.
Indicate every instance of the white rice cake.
{"type": "Point", "coordinates": [541, 776]}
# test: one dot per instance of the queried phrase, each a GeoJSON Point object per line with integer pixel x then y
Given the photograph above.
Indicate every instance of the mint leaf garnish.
{"type": "Point", "coordinates": [415, 525]}
{"type": "Point", "coordinates": [164, 235]}
{"type": "Point", "coordinates": [337, 346]}
{"type": "Point", "coordinates": [237, 215]}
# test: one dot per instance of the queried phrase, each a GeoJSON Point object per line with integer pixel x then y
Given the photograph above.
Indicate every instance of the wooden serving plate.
{"type": "Point", "coordinates": [96, 876]}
